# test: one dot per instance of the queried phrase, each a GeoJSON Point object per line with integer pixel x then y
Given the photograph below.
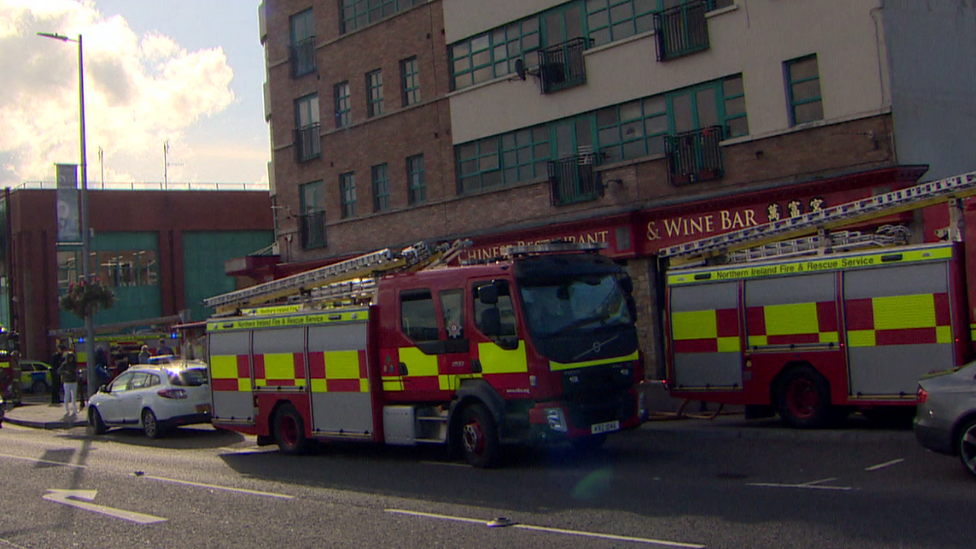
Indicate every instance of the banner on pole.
{"type": "Point", "coordinates": [69, 226]}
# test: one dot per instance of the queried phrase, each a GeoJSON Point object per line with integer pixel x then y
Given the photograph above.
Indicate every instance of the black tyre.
{"type": "Point", "coordinates": [39, 387]}
{"type": "Point", "coordinates": [479, 437]}
{"type": "Point", "coordinates": [803, 398]}
{"type": "Point", "coordinates": [289, 431]}
{"type": "Point", "coordinates": [967, 446]}
{"type": "Point", "coordinates": [150, 425]}
{"type": "Point", "coordinates": [95, 421]}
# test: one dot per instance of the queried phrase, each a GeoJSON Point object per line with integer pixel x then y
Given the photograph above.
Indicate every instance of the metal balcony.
{"type": "Point", "coordinates": [574, 179]}
{"type": "Point", "coordinates": [682, 30]}
{"type": "Point", "coordinates": [695, 156]}
{"type": "Point", "coordinates": [302, 56]}
{"type": "Point", "coordinates": [312, 227]}
{"type": "Point", "coordinates": [562, 66]}
{"type": "Point", "coordinates": [308, 144]}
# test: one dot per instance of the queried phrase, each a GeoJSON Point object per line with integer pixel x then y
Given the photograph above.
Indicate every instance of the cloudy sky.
{"type": "Point", "coordinates": [189, 72]}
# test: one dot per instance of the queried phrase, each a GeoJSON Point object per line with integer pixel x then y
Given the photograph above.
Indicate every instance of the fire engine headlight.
{"type": "Point", "coordinates": [556, 419]}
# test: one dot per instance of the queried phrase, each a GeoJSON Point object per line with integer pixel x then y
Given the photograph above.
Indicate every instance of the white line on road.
{"type": "Point", "coordinates": [35, 460]}
{"type": "Point", "coordinates": [71, 497]}
{"type": "Point", "coordinates": [883, 465]}
{"type": "Point", "coordinates": [579, 533]}
{"type": "Point", "coordinates": [447, 463]}
{"type": "Point", "coordinates": [215, 487]}
{"type": "Point", "coordinates": [807, 486]}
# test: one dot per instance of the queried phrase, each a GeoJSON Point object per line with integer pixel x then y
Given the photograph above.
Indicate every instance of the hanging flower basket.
{"type": "Point", "coordinates": [87, 298]}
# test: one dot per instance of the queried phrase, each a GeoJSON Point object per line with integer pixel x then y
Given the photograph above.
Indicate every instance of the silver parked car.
{"type": "Point", "coordinates": [946, 417]}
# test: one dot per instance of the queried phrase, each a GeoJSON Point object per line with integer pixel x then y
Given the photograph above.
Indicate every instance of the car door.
{"type": "Point", "coordinates": [110, 402]}
{"type": "Point", "coordinates": [133, 399]}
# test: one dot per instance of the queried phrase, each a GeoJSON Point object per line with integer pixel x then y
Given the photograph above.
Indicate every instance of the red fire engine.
{"type": "Point", "coordinates": [816, 327]}
{"type": "Point", "coordinates": [399, 348]}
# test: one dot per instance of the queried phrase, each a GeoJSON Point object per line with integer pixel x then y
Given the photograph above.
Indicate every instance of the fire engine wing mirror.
{"type": "Point", "coordinates": [488, 294]}
{"type": "Point", "coordinates": [627, 284]}
{"type": "Point", "coordinates": [491, 322]}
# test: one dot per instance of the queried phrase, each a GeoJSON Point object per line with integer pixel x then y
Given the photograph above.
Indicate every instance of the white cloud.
{"type": "Point", "coordinates": [140, 91]}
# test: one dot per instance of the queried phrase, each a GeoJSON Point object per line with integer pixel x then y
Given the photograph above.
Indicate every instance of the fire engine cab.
{"type": "Point", "coordinates": [815, 327]}
{"type": "Point", "coordinates": [401, 348]}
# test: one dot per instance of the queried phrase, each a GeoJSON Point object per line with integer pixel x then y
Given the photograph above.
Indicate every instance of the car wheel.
{"type": "Point", "coordinates": [289, 431]}
{"type": "Point", "coordinates": [95, 421]}
{"type": "Point", "coordinates": [149, 424]}
{"type": "Point", "coordinates": [39, 387]}
{"type": "Point", "coordinates": [803, 398]}
{"type": "Point", "coordinates": [479, 437]}
{"type": "Point", "coordinates": [967, 446]}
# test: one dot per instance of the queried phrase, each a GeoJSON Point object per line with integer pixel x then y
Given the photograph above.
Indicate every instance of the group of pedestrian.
{"type": "Point", "coordinates": [65, 371]}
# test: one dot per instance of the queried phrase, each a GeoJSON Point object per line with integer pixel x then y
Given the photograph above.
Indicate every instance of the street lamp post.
{"type": "Point", "coordinates": [85, 231]}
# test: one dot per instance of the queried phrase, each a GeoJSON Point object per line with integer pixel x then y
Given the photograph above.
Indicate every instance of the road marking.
{"type": "Point", "coordinates": [215, 487]}
{"type": "Point", "coordinates": [35, 460]}
{"type": "Point", "coordinates": [883, 465]}
{"type": "Point", "coordinates": [815, 485]}
{"type": "Point", "coordinates": [580, 533]}
{"type": "Point", "coordinates": [447, 463]}
{"type": "Point", "coordinates": [71, 499]}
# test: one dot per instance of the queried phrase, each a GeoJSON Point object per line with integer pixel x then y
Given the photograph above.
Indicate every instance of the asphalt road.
{"type": "Point", "coordinates": [734, 486]}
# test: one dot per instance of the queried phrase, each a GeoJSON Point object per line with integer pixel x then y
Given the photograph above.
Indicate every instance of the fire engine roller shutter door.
{"type": "Point", "coordinates": [705, 335]}
{"type": "Point", "coordinates": [230, 376]}
{"type": "Point", "coordinates": [279, 363]}
{"type": "Point", "coordinates": [791, 310]}
{"type": "Point", "coordinates": [898, 327]}
{"type": "Point", "coordinates": [341, 397]}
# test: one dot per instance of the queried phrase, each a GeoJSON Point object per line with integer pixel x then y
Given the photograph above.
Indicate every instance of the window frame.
{"type": "Point", "coordinates": [410, 81]}
{"type": "Point", "coordinates": [502, 47]}
{"type": "Point", "coordinates": [416, 180]}
{"type": "Point", "coordinates": [374, 93]}
{"type": "Point", "coordinates": [381, 187]}
{"type": "Point", "coordinates": [342, 104]}
{"type": "Point", "coordinates": [347, 195]}
{"type": "Point", "coordinates": [792, 102]}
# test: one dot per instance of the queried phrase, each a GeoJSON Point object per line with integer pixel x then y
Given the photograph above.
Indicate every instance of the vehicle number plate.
{"type": "Point", "coordinates": [605, 427]}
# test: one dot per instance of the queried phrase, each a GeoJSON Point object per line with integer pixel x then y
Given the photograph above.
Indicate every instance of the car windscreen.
{"type": "Point", "coordinates": [191, 377]}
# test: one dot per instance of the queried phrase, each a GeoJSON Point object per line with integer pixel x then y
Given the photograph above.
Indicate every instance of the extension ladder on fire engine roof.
{"type": "Point", "coordinates": [911, 198]}
{"type": "Point", "coordinates": [385, 261]}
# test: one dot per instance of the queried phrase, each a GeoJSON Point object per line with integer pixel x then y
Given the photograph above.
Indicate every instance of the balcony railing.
{"type": "Point", "coordinates": [308, 144]}
{"type": "Point", "coordinates": [682, 30]}
{"type": "Point", "coordinates": [695, 156]}
{"type": "Point", "coordinates": [312, 229]}
{"type": "Point", "coordinates": [302, 57]}
{"type": "Point", "coordinates": [562, 66]}
{"type": "Point", "coordinates": [574, 179]}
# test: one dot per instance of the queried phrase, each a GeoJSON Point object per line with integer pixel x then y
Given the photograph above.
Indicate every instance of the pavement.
{"type": "Point", "coordinates": [39, 413]}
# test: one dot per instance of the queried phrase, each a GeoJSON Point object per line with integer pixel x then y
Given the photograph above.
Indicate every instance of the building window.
{"type": "Point", "coordinates": [417, 186]}
{"type": "Point", "coordinates": [302, 47]}
{"type": "Point", "coordinates": [356, 14]}
{"type": "Point", "coordinates": [381, 188]}
{"type": "Point", "coordinates": [803, 90]}
{"type": "Point", "coordinates": [308, 144]}
{"type": "Point", "coordinates": [347, 194]}
{"type": "Point", "coordinates": [504, 160]}
{"type": "Point", "coordinates": [410, 80]}
{"type": "Point", "coordinates": [610, 20]}
{"type": "Point", "coordinates": [374, 85]}
{"type": "Point", "coordinates": [343, 105]}
{"type": "Point", "coordinates": [312, 217]}
{"type": "Point", "coordinates": [493, 54]}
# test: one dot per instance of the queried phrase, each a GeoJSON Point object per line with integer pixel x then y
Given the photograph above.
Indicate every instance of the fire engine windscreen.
{"type": "Point", "coordinates": [555, 306]}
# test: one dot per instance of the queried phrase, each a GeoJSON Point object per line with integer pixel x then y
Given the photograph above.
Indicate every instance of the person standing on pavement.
{"type": "Point", "coordinates": [144, 355]}
{"type": "Point", "coordinates": [164, 349]}
{"type": "Point", "coordinates": [57, 359]}
{"type": "Point", "coordinates": [69, 375]}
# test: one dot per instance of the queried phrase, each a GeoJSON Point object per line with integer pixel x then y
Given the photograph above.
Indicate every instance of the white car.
{"type": "Point", "coordinates": [155, 398]}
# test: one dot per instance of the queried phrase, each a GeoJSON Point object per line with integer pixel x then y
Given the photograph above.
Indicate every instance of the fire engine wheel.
{"type": "Point", "coordinates": [967, 446]}
{"type": "Point", "coordinates": [289, 431]}
{"type": "Point", "coordinates": [479, 437]}
{"type": "Point", "coordinates": [95, 421]}
{"type": "Point", "coordinates": [150, 425]}
{"type": "Point", "coordinates": [804, 398]}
